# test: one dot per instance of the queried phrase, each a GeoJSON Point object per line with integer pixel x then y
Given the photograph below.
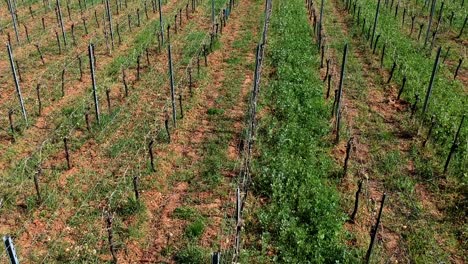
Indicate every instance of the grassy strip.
{"type": "Point", "coordinates": [302, 219]}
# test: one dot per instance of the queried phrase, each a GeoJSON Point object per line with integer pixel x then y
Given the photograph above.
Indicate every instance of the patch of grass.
{"type": "Point", "coordinates": [185, 213]}
{"type": "Point", "coordinates": [192, 254]}
{"type": "Point", "coordinates": [402, 183]}
{"type": "Point", "coordinates": [389, 162]}
{"type": "Point", "coordinates": [131, 207]}
{"type": "Point", "coordinates": [215, 111]}
{"type": "Point", "coordinates": [423, 247]}
{"type": "Point", "coordinates": [195, 229]}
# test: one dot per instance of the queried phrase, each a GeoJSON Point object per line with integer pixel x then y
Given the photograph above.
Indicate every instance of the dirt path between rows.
{"type": "Point", "coordinates": [164, 227]}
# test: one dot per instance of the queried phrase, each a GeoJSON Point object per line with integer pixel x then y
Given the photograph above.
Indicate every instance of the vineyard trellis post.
{"type": "Point", "coordinates": [17, 85]}
{"type": "Point", "coordinates": [10, 248]}
{"type": "Point", "coordinates": [171, 77]}
{"type": "Point", "coordinates": [109, 17]}
{"type": "Point", "coordinates": [12, 8]}
{"type": "Point", "coordinates": [12, 127]}
{"type": "Point", "coordinates": [454, 145]}
{"type": "Point", "coordinates": [375, 229]}
{"type": "Point", "coordinates": [428, 31]}
{"type": "Point", "coordinates": [376, 18]}
{"type": "Point", "coordinates": [429, 133]}
{"type": "Point", "coordinates": [356, 202]}
{"type": "Point", "coordinates": [161, 22]}
{"type": "Point", "coordinates": [340, 92]}
{"type": "Point", "coordinates": [93, 80]}
{"type": "Point", "coordinates": [319, 31]}
{"type": "Point", "coordinates": [36, 184]}
{"type": "Point", "coordinates": [110, 236]}
{"type": "Point", "coordinates": [59, 11]}
{"type": "Point", "coordinates": [431, 82]}
{"type": "Point", "coordinates": [135, 188]}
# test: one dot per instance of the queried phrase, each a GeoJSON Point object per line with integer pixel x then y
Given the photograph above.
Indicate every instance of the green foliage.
{"type": "Point", "coordinates": [213, 163]}
{"type": "Point", "coordinates": [131, 207]}
{"type": "Point", "coordinates": [185, 213]}
{"type": "Point", "coordinates": [303, 217]}
{"type": "Point", "coordinates": [424, 247]}
{"type": "Point", "coordinates": [191, 254]}
{"type": "Point", "coordinates": [195, 229]}
{"type": "Point", "coordinates": [215, 111]}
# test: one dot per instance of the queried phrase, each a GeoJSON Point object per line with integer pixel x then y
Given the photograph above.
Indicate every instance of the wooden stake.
{"type": "Point", "coordinates": [80, 67]}
{"type": "Point", "coordinates": [138, 17]}
{"type": "Point", "coordinates": [12, 127]}
{"type": "Point", "coordinates": [429, 133]}
{"type": "Point", "coordinates": [454, 145]}
{"type": "Point", "coordinates": [412, 24]}
{"type": "Point", "coordinates": [402, 87]}
{"type": "Point", "coordinates": [415, 104]}
{"type": "Point", "coordinates": [326, 72]}
{"type": "Point", "coordinates": [58, 42]}
{"type": "Point", "coordinates": [124, 80]}
{"type": "Point", "coordinates": [348, 153]}
{"type": "Point", "coordinates": [108, 100]}
{"type": "Point", "coordinates": [463, 27]}
{"type": "Point", "coordinates": [84, 25]}
{"type": "Point", "coordinates": [460, 61]}
{"type": "Point", "coordinates": [375, 229]}
{"type": "Point", "coordinates": [382, 57]}
{"type": "Point", "coordinates": [63, 82]}
{"type": "Point", "coordinates": [73, 34]}
{"type": "Point", "coordinates": [27, 33]}
{"type": "Point", "coordinates": [375, 22]}
{"type": "Point", "coordinates": [39, 103]}
{"type": "Point", "coordinates": [166, 125]}
{"type": "Point", "coordinates": [181, 107]}
{"type": "Point", "coordinates": [340, 92]}
{"type": "Point", "coordinates": [376, 41]}
{"type": "Point", "coordinates": [391, 72]}
{"type": "Point", "coordinates": [110, 237]}
{"type": "Point", "coordinates": [135, 188]}
{"type": "Point", "coordinates": [356, 202]}
{"type": "Point", "coordinates": [67, 155]}
{"type": "Point", "coordinates": [150, 150]}
{"type": "Point", "coordinates": [36, 184]}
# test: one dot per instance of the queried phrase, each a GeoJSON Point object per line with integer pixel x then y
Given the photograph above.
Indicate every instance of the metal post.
{"type": "Point", "coordinates": [340, 92]}
{"type": "Point", "coordinates": [375, 22]}
{"type": "Point", "coordinates": [61, 23]}
{"type": "Point", "coordinates": [15, 78]}
{"type": "Point", "coordinates": [93, 80]}
{"type": "Point", "coordinates": [10, 248]}
{"type": "Point", "coordinates": [375, 229]}
{"type": "Point", "coordinates": [171, 75]}
{"type": "Point", "coordinates": [430, 22]}
{"type": "Point", "coordinates": [161, 23]}
{"type": "Point", "coordinates": [431, 82]}
{"type": "Point", "coordinates": [13, 18]}
{"type": "Point", "coordinates": [109, 17]}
